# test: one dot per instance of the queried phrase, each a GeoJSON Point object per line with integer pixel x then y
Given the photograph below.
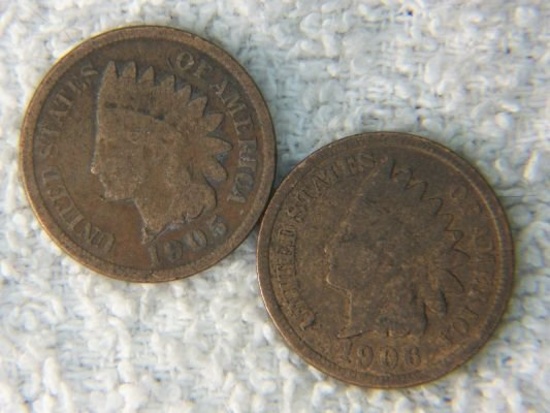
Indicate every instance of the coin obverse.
{"type": "Point", "coordinates": [385, 260]}
{"type": "Point", "coordinates": [147, 153]}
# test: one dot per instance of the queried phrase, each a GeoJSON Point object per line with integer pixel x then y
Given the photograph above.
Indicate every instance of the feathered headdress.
{"type": "Point", "coordinates": [161, 102]}
{"type": "Point", "coordinates": [392, 211]}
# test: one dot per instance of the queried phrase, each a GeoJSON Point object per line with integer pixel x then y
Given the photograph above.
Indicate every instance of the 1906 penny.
{"type": "Point", "coordinates": [385, 260]}
{"type": "Point", "coordinates": [148, 153]}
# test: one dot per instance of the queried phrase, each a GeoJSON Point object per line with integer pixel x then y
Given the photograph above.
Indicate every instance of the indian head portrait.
{"type": "Point", "coordinates": [154, 148]}
{"type": "Point", "coordinates": [392, 257]}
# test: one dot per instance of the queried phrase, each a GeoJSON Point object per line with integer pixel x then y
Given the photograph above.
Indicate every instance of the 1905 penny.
{"type": "Point", "coordinates": [147, 153]}
{"type": "Point", "coordinates": [385, 260]}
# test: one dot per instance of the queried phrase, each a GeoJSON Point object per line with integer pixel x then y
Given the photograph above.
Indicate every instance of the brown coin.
{"type": "Point", "coordinates": [148, 153]}
{"type": "Point", "coordinates": [385, 260]}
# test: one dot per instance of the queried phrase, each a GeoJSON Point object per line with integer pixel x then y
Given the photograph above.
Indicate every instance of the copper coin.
{"type": "Point", "coordinates": [148, 153]}
{"type": "Point", "coordinates": [385, 260]}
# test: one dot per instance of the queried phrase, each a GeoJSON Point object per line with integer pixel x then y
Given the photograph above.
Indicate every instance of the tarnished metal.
{"type": "Point", "coordinates": [148, 153]}
{"type": "Point", "coordinates": [385, 260]}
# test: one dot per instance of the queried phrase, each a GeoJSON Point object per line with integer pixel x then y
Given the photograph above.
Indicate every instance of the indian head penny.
{"type": "Point", "coordinates": [147, 154]}
{"type": "Point", "coordinates": [385, 260]}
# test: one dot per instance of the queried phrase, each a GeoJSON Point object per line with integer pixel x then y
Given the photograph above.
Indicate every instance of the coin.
{"type": "Point", "coordinates": [147, 153]}
{"type": "Point", "coordinates": [385, 260]}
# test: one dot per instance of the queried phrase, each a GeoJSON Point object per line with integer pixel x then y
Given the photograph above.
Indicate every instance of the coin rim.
{"type": "Point", "coordinates": [502, 233]}
{"type": "Point", "coordinates": [264, 129]}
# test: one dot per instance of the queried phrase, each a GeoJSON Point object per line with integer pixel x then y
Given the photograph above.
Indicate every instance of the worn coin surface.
{"type": "Point", "coordinates": [147, 153]}
{"type": "Point", "coordinates": [385, 260]}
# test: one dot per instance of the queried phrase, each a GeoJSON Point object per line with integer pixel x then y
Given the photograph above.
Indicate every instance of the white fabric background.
{"type": "Point", "coordinates": [473, 75]}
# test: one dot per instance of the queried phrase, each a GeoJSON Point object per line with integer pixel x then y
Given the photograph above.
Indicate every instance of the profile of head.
{"type": "Point", "coordinates": [153, 147]}
{"type": "Point", "coordinates": [390, 256]}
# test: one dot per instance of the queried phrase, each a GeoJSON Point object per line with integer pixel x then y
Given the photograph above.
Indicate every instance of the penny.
{"type": "Point", "coordinates": [385, 260]}
{"type": "Point", "coordinates": [147, 153]}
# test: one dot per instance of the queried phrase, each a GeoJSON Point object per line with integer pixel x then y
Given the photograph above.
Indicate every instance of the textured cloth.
{"type": "Point", "coordinates": [472, 75]}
